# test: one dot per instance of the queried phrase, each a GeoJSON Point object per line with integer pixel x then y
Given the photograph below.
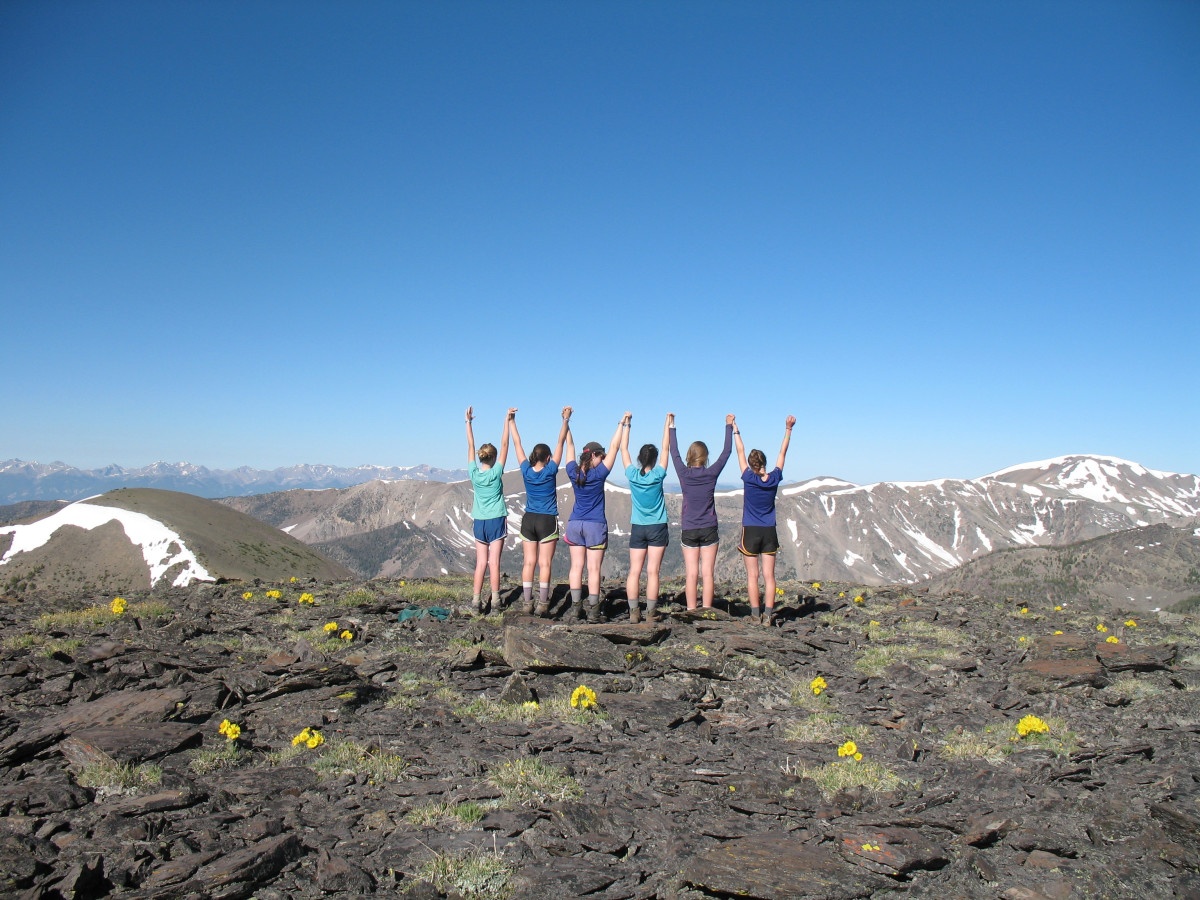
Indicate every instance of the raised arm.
{"type": "Point", "coordinates": [470, 436]}
{"type": "Point", "coordinates": [787, 439]}
{"type": "Point", "coordinates": [508, 420]}
{"type": "Point", "coordinates": [741, 448]}
{"type": "Point", "coordinates": [516, 436]}
{"type": "Point", "coordinates": [728, 448]}
{"type": "Point", "coordinates": [615, 444]}
{"type": "Point", "coordinates": [570, 437]}
{"type": "Point", "coordinates": [562, 436]}
{"type": "Point", "coordinates": [626, 459]}
{"type": "Point", "coordinates": [680, 468]}
{"type": "Point", "coordinates": [662, 456]}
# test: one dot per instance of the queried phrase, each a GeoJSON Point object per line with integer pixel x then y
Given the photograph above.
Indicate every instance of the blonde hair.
{"type": "Point", "coordinates": [487, 454]}
{"type": "Point", "coordinates": [697, 454]}
{"type": "Point", "coordinates": [757, 460]}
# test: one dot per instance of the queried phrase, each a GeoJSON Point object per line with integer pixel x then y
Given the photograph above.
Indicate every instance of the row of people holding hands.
{"type": "Point", "coordinates": [586, 533]}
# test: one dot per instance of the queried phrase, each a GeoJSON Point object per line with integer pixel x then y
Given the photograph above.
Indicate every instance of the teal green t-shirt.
{"type": "Point", "coordinates": [489, 491]}
{"type": "Point", "coordinates": [646, 491]}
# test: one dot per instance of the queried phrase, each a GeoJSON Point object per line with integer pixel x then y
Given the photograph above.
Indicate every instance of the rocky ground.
{"type": "Point", "coordinates": [201, 743]}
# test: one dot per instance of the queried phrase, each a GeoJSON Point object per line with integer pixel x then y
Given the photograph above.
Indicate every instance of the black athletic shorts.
{"type": "Point", "coordinates": [700, 537]}
{"type": "Point", "coordinates": [643, 536]}
{"type": "Point", "coordinates": [759, 539]}
{"type": "Point", "coordinates": [539, 527]}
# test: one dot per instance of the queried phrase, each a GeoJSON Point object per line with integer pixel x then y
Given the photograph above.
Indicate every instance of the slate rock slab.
{"type": "Point", "coordinates": [237, 874]}
{"type": "Point", "coordinates": [891, 851]}
{"type": "Point", "coordinates": [561, 650]}
{"type": "Point", "coordinates": [778, 867]}
{"type": "Point", "coordinates": [129, 743]}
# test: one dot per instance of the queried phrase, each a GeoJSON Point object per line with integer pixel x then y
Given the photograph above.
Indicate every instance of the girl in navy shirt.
{"type": "Point", "coordinates": [760, 540]}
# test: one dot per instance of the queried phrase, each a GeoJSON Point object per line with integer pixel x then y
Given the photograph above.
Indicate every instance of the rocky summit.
{"type": "Point", "coordinates": [308, 739]}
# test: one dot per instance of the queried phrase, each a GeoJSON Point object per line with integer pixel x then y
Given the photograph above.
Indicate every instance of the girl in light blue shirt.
{"type": "Point", "coordinates": [648, 522]}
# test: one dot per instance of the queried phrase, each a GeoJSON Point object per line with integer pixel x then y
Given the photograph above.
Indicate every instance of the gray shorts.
{"type": "Point", "coordinates": [593, 535]}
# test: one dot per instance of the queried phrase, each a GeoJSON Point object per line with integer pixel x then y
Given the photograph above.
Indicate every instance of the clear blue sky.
{"type": "Point", "coordinates": [948, 237]}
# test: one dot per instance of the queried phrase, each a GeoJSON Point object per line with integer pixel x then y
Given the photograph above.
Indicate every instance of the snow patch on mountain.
{"type": "Point", "coordinates": [161, 547]}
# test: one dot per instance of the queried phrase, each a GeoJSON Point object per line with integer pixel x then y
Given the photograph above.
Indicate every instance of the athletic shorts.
{"type": "Point", "coordinates": [759, 539]}
{"type": "Point", "coordinates": [539, 527]}
{"type": "Point", "coordinates": [700, 537]}
{"type": "Point", "coordinates": [593, 535]}
{"type": "Point", "coordinates": [644, 536]}
{"type": "Point", "coordinates": [489, 530]}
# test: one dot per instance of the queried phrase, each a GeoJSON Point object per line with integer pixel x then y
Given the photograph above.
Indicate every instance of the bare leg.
{"type": "Point", "coordinates": [652, 569]}
{"type": "Point", "coordinates": [495, 548]}
{"type": "Point", "coordinates": [768, 567]}
{"type": "Point", "coordinates": [595, 561]}
{"type": "Point", "coordinates": [578, 560]}
{"type": "Point", "coordinates": [481, 561]}
{"type": "Point", "coordinates": [637, 559]}
{"type": "Point", "coordinates": [752, 583]}
{"type": "Point", "coordinates": [530, 561]}
{"type": "Point", "coordinates": [691, 564]}
{"type": "Point", "coordinates": [545, 558]}
{"type": "Point", "coordinates": [708, 563]}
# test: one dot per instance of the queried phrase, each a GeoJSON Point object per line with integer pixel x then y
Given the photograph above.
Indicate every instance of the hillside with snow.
{"type": "Point", "coordinates": [886, 533]}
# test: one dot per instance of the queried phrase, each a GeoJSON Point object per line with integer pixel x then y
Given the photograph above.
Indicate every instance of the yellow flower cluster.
{"type": "Point", "coordinates": [1102, 627]}
{"type": "Point", "coordinates": [1112, 639]}
{"type": "Point", "coordinates": [118, 605]}
{"type": "Point", "coordinates": [292, 580]}
{"type": "Point", "coordinates": [1024, 610]}
{"type": "Point", "coordinates": [849, 749]}
{"type": "Point", "coordinates": [330, 626]}
{"type": "Point", "coordinates": [1058, 632]}
{"type": "Point", "coordinates": [306, 598]}
{"type": "Point", "coordinates": [816, 585]}
{"type": "Point", "coordinates": [817, 685]}
{"type": "Point", "coordinates": [248, 595]}
{"type": "Point", "coordinates": [274, 595]}
{"type": "Point", "coordinates": [583, 697]}
{"type": "Point", "coordinates": [778, 592]}
{"type": "Point", "coordinates": [858, 598]}
{"type": "Point", "coordinates": [1130, 623]}
{"type": "Point", "coordinates": [310, 737]}
{"type": "Point", "coordinates": [870, 847]}
{"type": "Point", "coordinates": [1031, 725]}
{"type": "Point", "coordinates": [1058, 609]}
{"type": "Point", "coordinates": [531, 704]}
{"type": "Point", "coordinates": [231, 731]}
{"type": "Point", "coordinates": [347, 635]}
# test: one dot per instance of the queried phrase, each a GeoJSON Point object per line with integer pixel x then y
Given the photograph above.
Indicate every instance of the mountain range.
{"type": "Point", "coordinates": [21, 480]}
{"type": "Point", "coordinates": [884, 533]}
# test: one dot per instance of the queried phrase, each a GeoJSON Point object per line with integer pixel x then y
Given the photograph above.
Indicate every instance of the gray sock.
{"type": "Point", "coordinates": [543, 592]}
{"type": "Point", "coordinates": [526, 591]}
{"type": "Point", "coordinates": [576, 593]}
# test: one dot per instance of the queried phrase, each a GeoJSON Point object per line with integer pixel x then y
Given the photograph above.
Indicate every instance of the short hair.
{"type": "Point", "coordinates": [487, 454]}
{"type": "Point", "coordinates": [647, 457]}
{"type": "Point", "coordinates": [757, 460]}
{"type": "Point", "coordinates": [697, 454]}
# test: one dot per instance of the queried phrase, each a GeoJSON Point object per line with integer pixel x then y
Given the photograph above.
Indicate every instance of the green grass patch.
{"type": "Point", "coordinates": [99, 616]}
{"type": "Point", "coordinates": [824, 728]}
{"type": "Point", "coordinates": [848, 773]}
{"type": "Point", "coordinates": [876, 659]}
{"type": "Point", "coordinates": [119, 778]}
{"type": "Point", "coordinates": [531, 782]}
{"type": "Point", "coordinates": [462, 814]}
{"type": "Point", "coordinates": [211, 759]}
{"type": "Point", "coordinates": [352, 758]}
{"type": "Point", "coordinates": [356, 597]}
{"type": "Point", "coordinates": [1131, 688]}
{"type": "Point", "coordinates": [985, 745]}
{"type": "Point", "coordinates": [476, 875]}
{"type": "Point", "coordinates": [434, 593]}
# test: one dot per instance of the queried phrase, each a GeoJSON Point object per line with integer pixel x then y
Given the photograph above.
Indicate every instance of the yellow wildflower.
{"type": "Point", "coordinates": [302, 737]}
{"type": "Point", "coordinates": [1058, 609]}
{"type": "Point", "coordinates": [1102, 627]}
{"type": "Point", "coordinates": [732, 788]}
{"type": "Point", "coordinates": [848, 749]}
{"type": "Point", "coordinates": [1021, 639]}
{"type": "Point", "coordinates": [858, 756]}
{"type": "Point", "coordinates": [1058, 632]}
{"type": "Point", "coordinates": [330, 626]}
{"type": "Point", "coordinates": [347, 635]}
{"type": "Point", "coordinates": [315, 740]}
{"type": "Point", "coordinates": [858, 598]}
{"type": "Point", "coordinates": [841, 594]}
{"type": "Point", "coordinates": [817, 685]}
{"type": "Point", "coordinates": [1129, 623]}
{"type": "Point", "coordinates": [870, 847]}
{"type": "Point", "coordinates": [247, 595]}
{"type": "Point", "coordinates": [233, 732]}
{"type": "Point", "coordinates": [1112, 639]}
{"type": "Point", "coordinates": [306, 598]}
{"type": "Point", "coordinates": [875, 623]}
{"type": "Point", "coordinates": [531, 704]}
{"type": "Point", "coordinates": [816, 585]}
{"type": "Point", "coordinates": [1031, 725]}
{"type": "Point", "coordinates": [1024, 610]}
{"type": "Point", "coordinates": [583, 697]}
{"type": "Point", "coordinates": [274, 595]}
{"type": "Point", "coordinates": [118, 605]}
{"type": "Point", "coordinates": [224, 726]}
{"type": "Point", "coordinates": [778, 592]}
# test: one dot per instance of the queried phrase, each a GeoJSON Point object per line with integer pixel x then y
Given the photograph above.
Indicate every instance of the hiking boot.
{"type": "Point", "coordinates": [652, 617]}
{"type": "Point", "coordinates": [593, 614]}
{"type": "Point", "coordinates": [755, 617]}
{"type": "Point", "coordinates": [577, 611]}
{"type": "Point", "coordinates": [768, 619]}
{"type": "Point", "coordinates": [635, 614]}
{"type": "Point", "coordinates": [529, 605]}
{"type": "Point", "coordinates": [543, 610]}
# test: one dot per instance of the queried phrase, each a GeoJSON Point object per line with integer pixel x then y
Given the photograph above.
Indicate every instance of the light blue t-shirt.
{"type": "Point", "coordinates": [649, 505]}
{"type": "Point", "coordinates": [489, 491]}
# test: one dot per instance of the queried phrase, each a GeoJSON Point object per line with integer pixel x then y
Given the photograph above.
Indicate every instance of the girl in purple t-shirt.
{"type": "Point", "coordinates": [700, 537]}
{"type": "Point", "coordinates": [760, 540]}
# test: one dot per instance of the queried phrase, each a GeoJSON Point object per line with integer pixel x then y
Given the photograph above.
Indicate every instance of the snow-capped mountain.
{"type": "Point", "coordinates": [829, 528]}
{"type": "Point", "coordinates": [20, 480]}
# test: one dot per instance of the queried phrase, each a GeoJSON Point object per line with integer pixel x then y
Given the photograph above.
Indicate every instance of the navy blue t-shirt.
{"type": "Point", "coordinates": [540, 495]}
{"type": "Point", "coordinates": [758, 505]}
{"type": "Point", "coordinates": [589, 496]}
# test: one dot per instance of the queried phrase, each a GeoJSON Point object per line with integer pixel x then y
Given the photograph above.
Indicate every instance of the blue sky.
{"type": "Point", "coordinates": [947, 237]}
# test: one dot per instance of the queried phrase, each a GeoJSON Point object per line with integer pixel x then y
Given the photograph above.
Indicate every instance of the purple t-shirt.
{"type": "Point", "coordinates": [699, 510]}
{"type": "Point", "coordinates": [758, 503]}
{"type": "Point", "coordinates": [589, 496]}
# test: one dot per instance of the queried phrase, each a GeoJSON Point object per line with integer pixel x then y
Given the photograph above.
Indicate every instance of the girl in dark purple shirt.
{"type": "Point", "coordinates": [700, 538]}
